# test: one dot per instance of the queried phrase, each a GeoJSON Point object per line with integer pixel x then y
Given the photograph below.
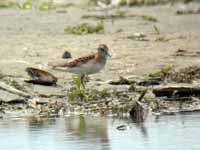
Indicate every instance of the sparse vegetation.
{"type": "Point", "coordinates": [45, 5]}
{"type": "Point", "coordinates": [85, 28]}
{"type": "Point", "coordinates": [77, 5]}
{"type": "Point", "coordinates": [156, 29]}
{"type": "Point", "coordinates": [9, 4]}
{"type": "Point", "coordinates": [163, 72]}
{"type": "Point", "coordinates": [76, 92]}
{"type": "Point", "coordinates": [67, 5]}
{"type": "Point", "coordinates": [119, 15]}
{"type": "Point", "coordinates": [186, 75]}
{"type": "Point", "coordinates": [188, 11]}
{"type": "Point", "coordinates": [26, 4]}
{"type": "Point", "coordinates": [147, 2]}
{"type": "Point", "coordinates": [80, 93]}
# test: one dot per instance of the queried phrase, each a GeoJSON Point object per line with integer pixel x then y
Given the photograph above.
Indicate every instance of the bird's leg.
{"type": "Point", "coordinates": [82, 81]}
{"type": "Point", "coordinates": [86, 78]}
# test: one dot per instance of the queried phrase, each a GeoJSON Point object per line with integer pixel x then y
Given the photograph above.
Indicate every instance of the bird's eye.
{"type": "Point", "coordinates": [102, 49]}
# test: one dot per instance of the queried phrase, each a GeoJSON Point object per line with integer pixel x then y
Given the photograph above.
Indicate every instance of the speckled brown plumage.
{"type": "Point", "coordinates": [81, 60]}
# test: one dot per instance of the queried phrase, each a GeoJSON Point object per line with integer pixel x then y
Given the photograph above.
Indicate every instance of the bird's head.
{"type": "Point", "coordinates": [103, 50]}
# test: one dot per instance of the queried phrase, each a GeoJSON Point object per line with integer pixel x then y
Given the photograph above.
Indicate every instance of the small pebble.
{"type": "Point", "coordinates": [66, 55]}
{"type": "Point", "coordinates": [121, 127]}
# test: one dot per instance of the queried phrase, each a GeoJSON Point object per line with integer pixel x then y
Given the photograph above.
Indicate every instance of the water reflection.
{"type": "Point", "coordinates": [99, 133]}
{"type": "Point", "coordinates": [142, 129]}
{"type": "Point", "coordinates": [37, 122]}
{"type": "Point", "coordinates": [92, 130]}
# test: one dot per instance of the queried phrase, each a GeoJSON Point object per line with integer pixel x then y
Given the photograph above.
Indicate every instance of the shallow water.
{"type": "Point", "coordinates": [164, 133]}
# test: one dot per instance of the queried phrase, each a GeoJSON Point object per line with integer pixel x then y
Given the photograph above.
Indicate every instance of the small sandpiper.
{"type": "Point", "coordinates": [86, 65]}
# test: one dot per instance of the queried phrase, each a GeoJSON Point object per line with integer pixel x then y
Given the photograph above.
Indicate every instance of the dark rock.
{"type": "Point", "coordinates": [15, 101]}
{"type": "Point", "coordinates": [176, 92]}
{"type": "Point", "coordinates": [121, 127]}
{"type": "Point", "coordinates": [122, 81]}
{"type": "Point", "coordinates": [66, 55]}
{"type": "Point", "coordinates": [40, 77]}
{"type": "Point", "coordinates": [150, 82]}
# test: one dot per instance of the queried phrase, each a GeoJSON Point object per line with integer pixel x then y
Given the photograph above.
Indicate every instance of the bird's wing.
{"type": "Point", "coordinates": [75, 62]}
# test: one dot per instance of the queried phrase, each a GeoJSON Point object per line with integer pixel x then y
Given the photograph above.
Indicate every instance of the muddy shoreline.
{"type": "Point", "coordinates": [139, 47]}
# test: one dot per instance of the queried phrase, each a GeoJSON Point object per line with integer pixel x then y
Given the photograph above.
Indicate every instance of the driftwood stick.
{"type": "Point", "coordinates": [12, 90]}
{"type": "Point", "coordinates": [142, 95]}
{"type": "Point", "coordinates": [176, 91]}
{"type": "Point", "coordinates": [137, 112]}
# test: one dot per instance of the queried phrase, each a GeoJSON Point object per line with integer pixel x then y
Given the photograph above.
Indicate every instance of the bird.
{"type": "Point", "coordinates": [85, 65]}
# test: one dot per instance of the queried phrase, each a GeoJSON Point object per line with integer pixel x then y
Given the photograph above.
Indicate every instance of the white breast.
{"type": "Point", "coordinates": [88, 68]}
